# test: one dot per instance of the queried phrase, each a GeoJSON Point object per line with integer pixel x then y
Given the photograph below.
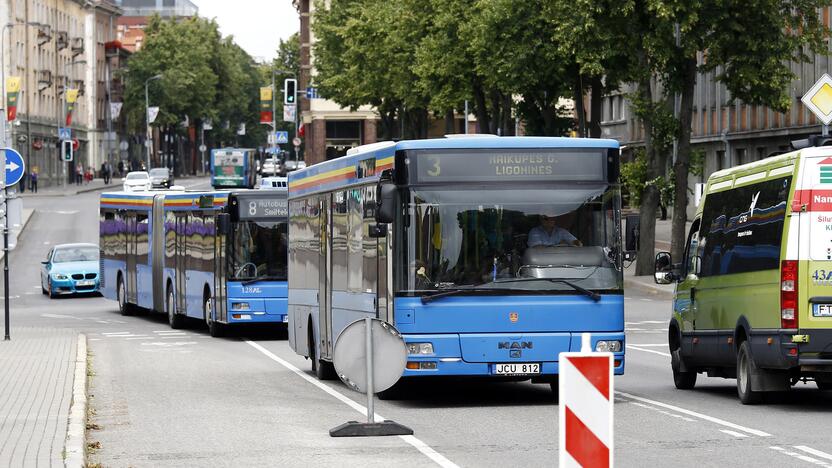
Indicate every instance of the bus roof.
{"type": "Point", "coordinates": [342, 171]}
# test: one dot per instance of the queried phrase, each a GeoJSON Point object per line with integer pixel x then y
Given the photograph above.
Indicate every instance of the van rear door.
{"type": "Point", "coordinates": [814, 198]}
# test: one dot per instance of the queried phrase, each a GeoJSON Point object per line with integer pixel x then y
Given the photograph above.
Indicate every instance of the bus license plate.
{"type": "Point", "coordinates": [517, 369]}
{"type": "Point", "coordinates": [822, 310]}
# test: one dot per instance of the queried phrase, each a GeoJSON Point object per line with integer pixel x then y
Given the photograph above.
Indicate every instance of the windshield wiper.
{"type": "Point", "coordinates": [592, 294]}
{"type": "Point", "coordinates": [262, 278]}
{"type": "Point", "coordinates": [456, 290]}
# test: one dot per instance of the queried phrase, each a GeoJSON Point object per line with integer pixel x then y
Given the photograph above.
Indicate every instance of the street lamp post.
{"type": "Point", "coordinates": [149, 141]}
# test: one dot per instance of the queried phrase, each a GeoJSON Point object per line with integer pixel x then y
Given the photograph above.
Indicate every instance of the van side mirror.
{"type": "Point", "coordinates": [224, 223]}
{"type": "Point", "coordinates": [663, 270]}
{"type": "Point", "coordinates": [385, 202]}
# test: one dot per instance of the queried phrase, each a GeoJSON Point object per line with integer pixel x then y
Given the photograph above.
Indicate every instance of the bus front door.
{"type": "Point", "coordinates": [132, 253]}
{"type": "Point", "coordinates": [179, 262]}
{"type": "Point", "coordinates": [325, 275]}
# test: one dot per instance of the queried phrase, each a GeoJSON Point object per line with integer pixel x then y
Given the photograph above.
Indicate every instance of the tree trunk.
{"type": "Point", "coordinates": [481, 109]}
{"type": "Point", "coordinates": [596, 100]}
{"type": "Point", "coordinates": [578, 91]}
{"type": "Point", "coordinates": [682, 165]}
{"type": "Point", "coordinates": [645, 259]}
{"type": "Point", "coordinates": [508, 122]}
{"type": "Point", "coordinates": [449, 122]}
{"type": "Point", "coordinates": [496, 117]}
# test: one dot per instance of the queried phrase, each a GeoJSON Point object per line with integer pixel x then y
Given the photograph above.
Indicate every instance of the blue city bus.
{"type": "Point", "coordinates": [216, 256]}
{"type": "Point", "coordinates": [233, 168]}
{"type": "Point", "coordinates": [442, 238]}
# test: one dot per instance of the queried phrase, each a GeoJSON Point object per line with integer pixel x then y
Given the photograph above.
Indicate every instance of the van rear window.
{"type": "Point", "coordinates": [742, 228]}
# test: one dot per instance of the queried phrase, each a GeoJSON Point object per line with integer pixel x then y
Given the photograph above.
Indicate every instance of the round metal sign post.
{"type": "Point", "coordinates": [369, 356]}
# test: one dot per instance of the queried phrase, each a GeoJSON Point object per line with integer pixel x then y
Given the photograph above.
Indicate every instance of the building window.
{"type": "Point", "coordinates": [720, 160]}
{"type": "Point", "coordinates": [342, 135]}
{"type": "Point", "coordinates": [761, 153]}
{"type": "Point", "coordinates": [741, 155]}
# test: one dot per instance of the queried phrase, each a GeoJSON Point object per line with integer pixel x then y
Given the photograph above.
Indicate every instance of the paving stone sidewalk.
{"type": "Point", "coordinates": [36, 378]}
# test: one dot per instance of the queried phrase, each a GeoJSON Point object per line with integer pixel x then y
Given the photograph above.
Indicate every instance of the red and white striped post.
{"type": "Point", "coordinates": [585, 410]}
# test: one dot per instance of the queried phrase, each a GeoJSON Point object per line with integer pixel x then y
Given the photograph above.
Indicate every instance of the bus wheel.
{"type": "Point", "coordinates": [554, 385]}
{"type": "Point", "coordinates": [323, 370]}
{"type": "Point", "coordinates": [823, 385]}
{"type": "Point", "coordinates": [684, 380]}
{"type": "Point", "coordinates": [214, 328]}
{"type": "Point", "coordinates": [745, 367]}
{"type": "Point", "coordinates": [121, 293]}
{"type": "Point", "coordinates": [175, 320]}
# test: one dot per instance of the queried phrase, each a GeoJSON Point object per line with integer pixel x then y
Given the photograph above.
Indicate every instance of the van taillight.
{"type": "Point", "coordinates": [788, 294]}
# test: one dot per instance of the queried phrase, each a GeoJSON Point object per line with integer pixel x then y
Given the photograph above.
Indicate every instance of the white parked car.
{"type": "Point", "coordinates": [292, 165]}
{"type": "Point", "coordinates": [270, 167]}
{"type": "Point", "coordinates": [136, 181]}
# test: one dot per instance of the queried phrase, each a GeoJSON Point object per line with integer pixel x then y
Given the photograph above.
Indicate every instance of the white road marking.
{"type": "Point", "coordinates": [629, 346]}
{"type": "Point", "coordinates": [168, 344]}
{"type": "Point", "coordinates": [645, 299]}
{"type": "Point", "coordinates": [734, 433]}
{"type": "Point", "coordinates": [798, 456]}
{"type": "Point", "coordinates": [426, 450]}
{"type": "Point", "coordinates": [666, 413]}
{"type": "Point", "coordinates": [645, 322]}
{"type": "Point", "coordinates": [705, 417]}
{"type": "Point", "coordinates": [650, 345]}
{"type": "Point", "coordinates": [814, 452]}
{"type": "Point", "coordinates": [139, 338]}
{"type": "Point", "coordinates": [116, 333]}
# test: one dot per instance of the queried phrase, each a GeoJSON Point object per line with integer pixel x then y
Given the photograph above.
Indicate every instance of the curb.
{"type": "Point", "coordinates": [77, 426]}
{"type": "Point", "coordinates": [656, 290]}
{"type": "Point", "coordinates": [94, 189]}
{"type": "Point", "coordinates": [24, 223]}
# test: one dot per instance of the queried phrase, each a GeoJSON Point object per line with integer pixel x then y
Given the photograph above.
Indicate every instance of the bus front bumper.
{"type": "Point", "coordinates": [496, 355]}
{"type": "Point", "coordinates": [248, 310]}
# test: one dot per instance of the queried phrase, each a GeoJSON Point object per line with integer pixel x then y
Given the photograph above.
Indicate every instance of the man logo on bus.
{"type": "Point", "coordinates": [513, 317]}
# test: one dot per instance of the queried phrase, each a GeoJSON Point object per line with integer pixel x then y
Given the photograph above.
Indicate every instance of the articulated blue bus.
{"type": "Point", "coordinates": [217, 256]}
{"type": "Point", "coordinates": [490, 255]}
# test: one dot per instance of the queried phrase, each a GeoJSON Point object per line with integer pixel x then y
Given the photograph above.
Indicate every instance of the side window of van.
{"type": "Point", "coordinates": [742, 228]}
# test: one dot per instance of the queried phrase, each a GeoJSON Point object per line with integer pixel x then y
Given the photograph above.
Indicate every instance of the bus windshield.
{"type": "Point", "coordinates": [258, 250]}
{"type": "Point", "coordinates": [533, 240]}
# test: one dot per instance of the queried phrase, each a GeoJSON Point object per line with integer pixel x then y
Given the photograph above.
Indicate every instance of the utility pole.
{"type": "Point", "coordinates": [149, 137]}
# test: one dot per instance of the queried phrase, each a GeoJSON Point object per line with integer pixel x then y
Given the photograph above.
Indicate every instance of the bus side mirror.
{"type": "Point", "coordinates": [385, 202]}
{"type": "Point", "coordinates": [224, 223]}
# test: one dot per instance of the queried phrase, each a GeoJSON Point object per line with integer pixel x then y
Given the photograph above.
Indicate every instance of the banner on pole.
{"type": "Point", "coordinates": [71, 99]}
{"type": "Point", "coordinates": [152, 113]}
{"type": "Point", "coordinates": [266, 114]}
{"type": "Point", "coordinates": [12, 95]}
{"type": "Point", "coordinates": [241, 130]}
{"type": "Point", "coordinates": [115, 110]}
{"type": "Point", "coordinates": [207, 124]}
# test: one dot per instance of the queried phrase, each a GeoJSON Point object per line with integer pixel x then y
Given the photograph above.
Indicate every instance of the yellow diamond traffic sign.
{"type": "Point", "coordinates": [819, 99]}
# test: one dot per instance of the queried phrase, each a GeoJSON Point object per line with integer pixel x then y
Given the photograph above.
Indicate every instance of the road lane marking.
{"type": "Point", "coordinates": [649, 345]}
{"type": "Point", "coordinates": [422, 447]}
{"type": "Point", "coordinates": [814, 452]}
{"type": "Point", "coordinates": [629, 346]}
{"type": "Point", "coordinates": [798, 456]}
{"type": "Point", "coordinates": [705, 417]}
{"type": "Point", "coordinates": [666, 413]}
{"type": "Point", "coordinates": [116, 333]}
{"type": "Point", "coordinates": [734, 433]}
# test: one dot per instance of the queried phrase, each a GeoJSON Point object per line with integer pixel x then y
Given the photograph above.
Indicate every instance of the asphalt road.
{"type": "Point", "coordinates": [163, 397]}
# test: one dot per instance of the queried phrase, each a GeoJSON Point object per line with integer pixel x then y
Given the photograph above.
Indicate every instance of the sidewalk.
{"type": "Point", "coordinates": [72, 189]}
{"type": "Point", "coordinates": [38, 369]}
{"type": "Point", "coordinates": [647, 283]}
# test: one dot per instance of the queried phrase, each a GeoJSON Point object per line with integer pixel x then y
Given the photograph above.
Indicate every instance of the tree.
{"type": "Point", "coordinates": [753, 43]}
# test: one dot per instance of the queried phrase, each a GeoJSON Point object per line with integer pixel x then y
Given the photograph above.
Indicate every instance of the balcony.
{"type": "Point", "coordinates": [44, 79]}
{"type": "Point", "coordinates": [77, 45]}
{"type": "Point", "coordinates": [61, 40]}
{"type": "Point", "coordinates": [44, 34]}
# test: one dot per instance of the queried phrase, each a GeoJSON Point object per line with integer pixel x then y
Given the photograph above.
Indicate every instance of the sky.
{"type": "Point", "coordinates": [257, 25]}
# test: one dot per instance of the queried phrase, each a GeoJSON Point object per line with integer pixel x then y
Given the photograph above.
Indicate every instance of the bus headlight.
{"type": "Point", "coordinates": [419, 348]}
{"type": "Point", "coordinates": [240, 306]}
{"type": "Point", "coordinates": [608, 346]}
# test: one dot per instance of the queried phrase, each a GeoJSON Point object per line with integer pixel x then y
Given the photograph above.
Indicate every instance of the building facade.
{"type": "Point", "coordinates": [729, 132]}
{"type": "Point", "coordinates": [131, 24]}
{"type": "Point", "coordinates": [329, 130]}
{"type": "Point", "coordinates": [55, 45]}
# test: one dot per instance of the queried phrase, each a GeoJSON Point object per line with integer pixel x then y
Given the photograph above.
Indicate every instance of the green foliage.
{"type": "Point", "coordinates": [634, 177]}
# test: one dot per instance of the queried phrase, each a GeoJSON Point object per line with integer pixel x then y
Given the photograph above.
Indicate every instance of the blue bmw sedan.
{"type": "Point", "coordinates": [70, 269]}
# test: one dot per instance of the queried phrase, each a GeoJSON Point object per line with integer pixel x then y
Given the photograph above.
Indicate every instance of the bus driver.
{"type": "Point", "coordinates": [549, 234]}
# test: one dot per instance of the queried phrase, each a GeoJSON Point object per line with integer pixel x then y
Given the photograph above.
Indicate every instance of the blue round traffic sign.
{"type": "Point", "coordinates": [15, 167]}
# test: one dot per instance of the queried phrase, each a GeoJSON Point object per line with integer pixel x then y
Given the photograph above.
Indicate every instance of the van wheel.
{"type": "Point", "coordinates": [121, 296]}
{"type": "Point", "coordinates": [175, 320]}
{"type": "Point", "coordinates": [745, 368]}
{"type": "Point", "coordinates": [396, 392]}
{"type": "Point", "coordinates": [683, 380]}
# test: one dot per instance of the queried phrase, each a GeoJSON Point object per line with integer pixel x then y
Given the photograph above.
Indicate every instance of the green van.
{"type": "Point", "coordinates": [753, 296]}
